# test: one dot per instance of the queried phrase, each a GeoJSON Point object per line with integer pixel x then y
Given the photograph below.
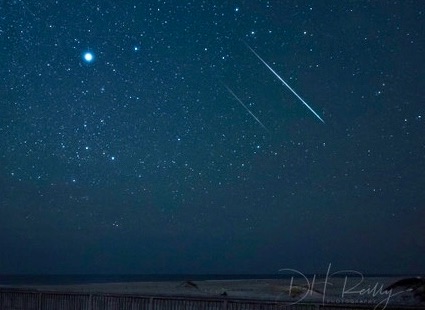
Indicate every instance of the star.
{"type": "Point", "coordinates": [88, 57]}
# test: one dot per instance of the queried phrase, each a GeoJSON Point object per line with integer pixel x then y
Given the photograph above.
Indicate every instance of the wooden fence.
{"type": "Point", "coordinates": [15, 299]}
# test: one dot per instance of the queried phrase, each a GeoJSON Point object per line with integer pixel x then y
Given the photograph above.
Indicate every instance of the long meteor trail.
{"type": "Point", "coordinates": [246, 108]}
{"type": "Point", "coordinates": [284, 83]}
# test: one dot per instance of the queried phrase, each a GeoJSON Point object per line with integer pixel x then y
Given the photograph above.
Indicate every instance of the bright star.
{"type": "Point", "coordinates": [88, 57]}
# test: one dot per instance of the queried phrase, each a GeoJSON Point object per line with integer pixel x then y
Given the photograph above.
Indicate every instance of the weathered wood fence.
{"type": "Point", "coordinates": [14, 299]}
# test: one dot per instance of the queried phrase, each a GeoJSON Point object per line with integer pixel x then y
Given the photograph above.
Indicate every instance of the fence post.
{"type": "Point", "coordinates": [224, 307]}
{"type": "Point", "coordinates": [90, 302]}
{"type": "Point", "coordinates": [150, 303]}
{"type": "Point", "coordinates": [39, 301]}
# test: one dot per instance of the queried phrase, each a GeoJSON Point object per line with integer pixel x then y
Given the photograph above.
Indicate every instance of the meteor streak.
{"type": "Point", "coordinates": [246, 108]}
{"type": "Point", "coordinates": [284, 83]}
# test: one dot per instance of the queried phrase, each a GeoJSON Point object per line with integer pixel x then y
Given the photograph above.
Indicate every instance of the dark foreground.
{"type": "Point", "coordinates": [341, 293]}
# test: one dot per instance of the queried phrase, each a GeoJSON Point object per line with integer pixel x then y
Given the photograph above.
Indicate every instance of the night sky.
{"type": "Point", "coordinates": [147, 136]}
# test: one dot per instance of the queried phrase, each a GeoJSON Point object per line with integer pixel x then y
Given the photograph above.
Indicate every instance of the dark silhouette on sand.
{"type": "Point", "coordinates": [410, 286]}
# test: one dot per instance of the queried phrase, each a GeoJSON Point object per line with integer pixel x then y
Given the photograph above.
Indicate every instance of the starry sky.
{"type": "Point", "coordinates": [149, 137]}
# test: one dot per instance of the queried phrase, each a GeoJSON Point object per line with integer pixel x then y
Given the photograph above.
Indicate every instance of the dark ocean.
{"type": "Point", "coordinates": [111, 278]}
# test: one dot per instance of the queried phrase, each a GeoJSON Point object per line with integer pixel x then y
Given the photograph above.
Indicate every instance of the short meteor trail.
{"type": "Point", "coordinates": [246, 108]}
{"type": "Point", "coordinates": [284, 83]}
